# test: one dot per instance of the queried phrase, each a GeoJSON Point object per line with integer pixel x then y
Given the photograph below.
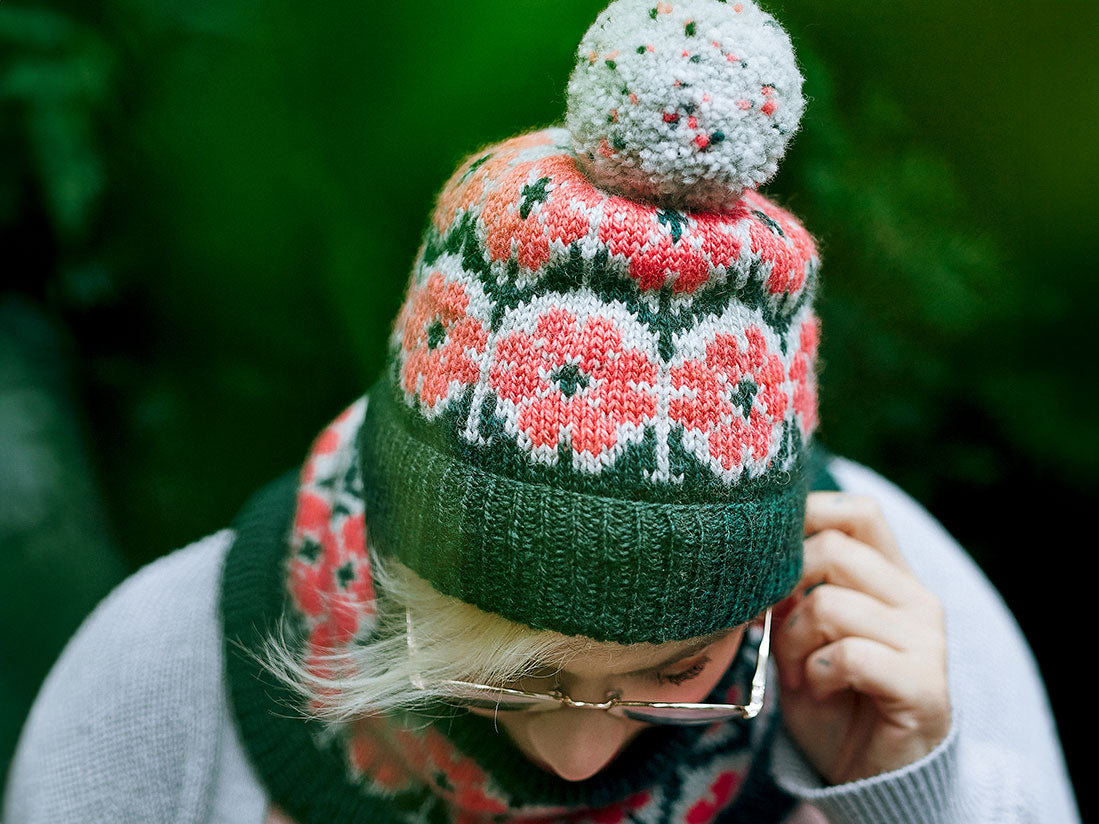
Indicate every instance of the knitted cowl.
{"type": "Point", "coordinates": [302, 563]}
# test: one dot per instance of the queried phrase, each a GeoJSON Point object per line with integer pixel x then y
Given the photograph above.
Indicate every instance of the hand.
{"type": "Point", "coordinates": [860, 647]}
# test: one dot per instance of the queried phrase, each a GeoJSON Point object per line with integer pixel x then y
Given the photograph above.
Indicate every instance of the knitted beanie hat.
{"type": "Point", "coordinates": [598, 404]}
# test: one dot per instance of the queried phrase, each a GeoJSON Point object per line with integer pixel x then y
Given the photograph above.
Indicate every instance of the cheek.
{"type": "Point", "coordinates": [516, 727]}
{"type": "Point", "coordinates": [721, 658]}
{"type": "Point", "coordinates": [515, 724]}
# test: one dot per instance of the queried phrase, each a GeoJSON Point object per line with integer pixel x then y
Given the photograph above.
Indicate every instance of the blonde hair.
{"type": "Point", "coordinates": [454, 641]}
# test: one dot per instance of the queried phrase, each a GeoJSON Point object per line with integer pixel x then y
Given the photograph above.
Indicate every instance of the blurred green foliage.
{"type": "Point", "coordinates": [219, 203]}
{"type": "Point", "coordinates": [59, 556]}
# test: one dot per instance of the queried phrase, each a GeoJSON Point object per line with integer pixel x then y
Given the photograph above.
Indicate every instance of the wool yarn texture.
{"type": "Point", "coordinates": [434, 765]}
{"type": "Point", "coordinates": [687, 103]}
{"type": "Point", "coordinates": [599, 398]}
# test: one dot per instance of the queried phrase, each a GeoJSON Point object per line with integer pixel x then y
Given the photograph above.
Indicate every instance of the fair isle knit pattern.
{"type": "Point", "coordinates": [587, 322]}
{"type": "Point", "coordinates": [456, 769]}
{"type": "Point", "coordinates": [597, 405]}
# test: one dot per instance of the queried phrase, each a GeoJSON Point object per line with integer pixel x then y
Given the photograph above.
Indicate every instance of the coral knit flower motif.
{"type": "Point", "coordinates": [460, 777]}
{"type": "Point", "coordinates": [577, 380]}
{"type": "Point", "coordinates": [372, 755]}
{"type": "Point", "coordinates": [537, 203]}
{"type": "Point", "coordinates": [316, 554]}
{"type": "Point", "coordinates": [440, 342]}
{"type": "Point", "coordinates": [803, 378]}
{"type": "Point", "coordinates": [329, 578]}
{"type": "Point", "coordinates": [467, 186]}
{"type": "Point", "coordinates": [732, 401]}
{"type": "Point", "coordinates": [781, 242]}
{"type": "Point", "coordinates": [664, 246]}
{"type": "Point", "coordinates": [706, 809]}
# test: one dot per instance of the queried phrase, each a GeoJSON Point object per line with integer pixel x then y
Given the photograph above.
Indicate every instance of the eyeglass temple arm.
{"type": "Point", "coordinates": [759, 679]}
{"type": "Point", "coordinates": [416, 679]}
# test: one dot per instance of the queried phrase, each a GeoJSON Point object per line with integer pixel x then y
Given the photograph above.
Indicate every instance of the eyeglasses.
{"type": "Point", "coordinates": [469, 695]}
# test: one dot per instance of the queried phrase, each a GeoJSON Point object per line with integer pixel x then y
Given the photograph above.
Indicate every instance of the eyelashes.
{"type": "Point", "coordinates": [545, 673]}
{"type": "Point", "coordinates": [696, 669]}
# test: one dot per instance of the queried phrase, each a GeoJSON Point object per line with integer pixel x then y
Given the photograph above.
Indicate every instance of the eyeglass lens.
{"type": "Point", "coordinates": [671, 715]}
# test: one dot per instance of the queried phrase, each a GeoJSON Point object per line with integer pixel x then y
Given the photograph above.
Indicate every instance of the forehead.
{"type": "Point", "coordinates": [596, 659]}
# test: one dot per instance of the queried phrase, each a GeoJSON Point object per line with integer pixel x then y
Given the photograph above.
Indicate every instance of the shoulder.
{"type": "Point", "coordinates": [127, 723]}
{"type": "Point", "coordinates": [168, 600]}
{"type": "Point", "coordinates": [160, 623]}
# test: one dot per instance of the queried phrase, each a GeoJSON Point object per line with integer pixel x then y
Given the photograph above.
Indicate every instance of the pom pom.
{"type": "Point", "coordinates": [683, 104]}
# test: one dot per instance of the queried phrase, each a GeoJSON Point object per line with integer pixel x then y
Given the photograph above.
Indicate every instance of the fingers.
{"type": "Point", "coordinates": [832, 556]}
{"type": "Point", "coordinates": [862, 665]}
{"type": "Point", "coordinates": [830, 613]}
{"type": "Point", "coordinates": [857, 515]}
{"type": "Point", "coordinates": [860, 646]}
{"type": "Point", "coordinates": [852, 589]}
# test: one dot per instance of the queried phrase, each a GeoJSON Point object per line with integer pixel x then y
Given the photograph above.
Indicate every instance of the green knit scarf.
{"type": "Point", "coordinates": [300, 564]}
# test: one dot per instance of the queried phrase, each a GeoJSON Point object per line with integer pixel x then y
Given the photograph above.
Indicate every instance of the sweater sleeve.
{"type": "Point", "coordinates": [130, 721]}
{"type": "Point", "coordinates": [1001, 760]}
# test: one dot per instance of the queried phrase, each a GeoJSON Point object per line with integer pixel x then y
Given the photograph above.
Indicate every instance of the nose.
{"type": "Point", "coordinates": [576, 744]}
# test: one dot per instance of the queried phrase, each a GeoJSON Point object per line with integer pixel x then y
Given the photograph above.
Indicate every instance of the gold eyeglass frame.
{"type": "Point", "coordinates": [613, 702]}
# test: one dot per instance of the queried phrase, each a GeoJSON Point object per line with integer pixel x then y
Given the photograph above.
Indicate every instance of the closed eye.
{"type": "Point", "coordinates": [693, 671]}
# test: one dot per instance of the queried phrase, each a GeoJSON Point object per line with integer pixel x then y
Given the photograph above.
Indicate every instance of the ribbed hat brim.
{"type": "Point", "coordinates": [611, 569]}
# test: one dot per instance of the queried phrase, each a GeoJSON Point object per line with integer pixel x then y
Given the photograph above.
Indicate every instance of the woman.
{"type": "Point", "coordinates": [536, 574]}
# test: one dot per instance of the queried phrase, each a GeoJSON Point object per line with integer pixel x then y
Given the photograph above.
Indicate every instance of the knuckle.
{"type": "Point", "coordinates": [931, 697]}
{"type": "Point", "coordinates": [866, 506]}
{"type": "Point", "coordinates": [938, 611]}
{"type": "Point", "coordinates": [932, 653]}
{"type": "Point", "coordinates": [908, 721]}
{"type": "Point", "coordinates": [831, 544]}
{"type": "Point", "coordinates": [824, 611]}
{"type": "Point", "coordinates": [822, 605]}
{"type": "Point", "coordinates": [814, 604]}
{"type": "Point", "coordinates": [850, 654]}
{"type": "Point", "coordinates": [931, 607]}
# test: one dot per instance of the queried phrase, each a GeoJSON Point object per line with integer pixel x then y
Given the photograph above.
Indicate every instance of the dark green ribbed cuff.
{"type": "Point", "coordinates": [611, 569]}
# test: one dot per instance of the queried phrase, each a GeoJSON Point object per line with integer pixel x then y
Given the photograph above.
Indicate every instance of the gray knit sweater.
{"type": "Point", "coordinates": [133, 724]}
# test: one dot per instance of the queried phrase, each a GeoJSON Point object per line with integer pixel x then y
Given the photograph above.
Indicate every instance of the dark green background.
{"type": "Point", "coordinates": [208, 211]}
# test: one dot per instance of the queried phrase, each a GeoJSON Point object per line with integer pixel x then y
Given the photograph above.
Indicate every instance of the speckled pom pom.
{"type": "Point", "coordinates": [684, 104]}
